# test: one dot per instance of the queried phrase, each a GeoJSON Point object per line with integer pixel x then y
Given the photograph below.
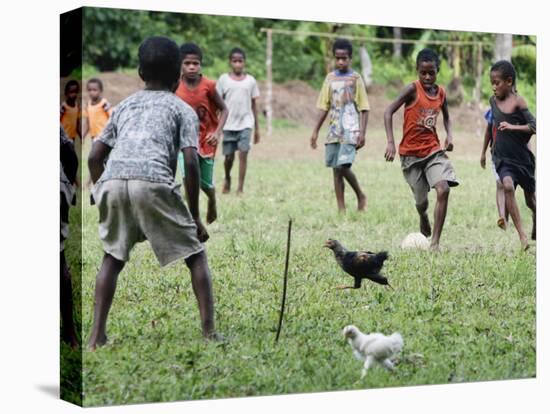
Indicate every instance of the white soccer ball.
{"type": "Point", "coordinates": [415, 241]}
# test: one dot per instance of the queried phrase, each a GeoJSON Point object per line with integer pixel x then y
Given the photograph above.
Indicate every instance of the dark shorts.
{"type": "Point", "coordinates": [236, 140]}
{"type": "Point", "coordinates": [520, 175]}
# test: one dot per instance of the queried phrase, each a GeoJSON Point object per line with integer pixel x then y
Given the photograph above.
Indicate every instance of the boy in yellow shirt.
{"type": "Point", "coordinates": [343, 97]}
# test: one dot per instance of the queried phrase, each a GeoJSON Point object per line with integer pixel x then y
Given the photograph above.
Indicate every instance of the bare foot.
{"type": "Point", "coordinates": [434, 247]}
{"type": "Point", "coordinates": [362, 202]}
{"type": "Point", "coordinates": [93, 344]}
{"type": "Point", "coordinates": [425, 227]}
{"type": "Point", "coordinates": [524, 244]}
{"type": "Point", "coordinates": [240, 192]}
{"type": "Point", "coordinates": [226, 186]}
{"type": "Point", "coordinates": [501, 222]}
{"type": "Point", "coordinates": [70, 339]}
{"type": "Point", "coordinates": [211, 212]}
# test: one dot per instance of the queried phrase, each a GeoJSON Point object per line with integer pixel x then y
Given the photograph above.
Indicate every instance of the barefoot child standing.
{"type": "Point", "coordinates": [200, 93]}
{"type": "Point", "coordinates": [423, 161]}
{"type": "Point", "coordinates": [240, 91]}
{"type": "Point", "coordinates": [343, 96]}
{"type": "Point", "coordinates": [135, 192]}
{"type": "Point", "coordinates": [96, 113]}
{"type": "Point", "coordinates": [514, 161]}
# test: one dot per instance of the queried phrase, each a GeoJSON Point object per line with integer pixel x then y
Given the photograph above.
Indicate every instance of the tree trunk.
{"type": "Point", "coordinates": [503, 46]}
{"type": "Point", "coordinates": [397, 49]}
{"type": "Point", "coordinates": [269, 73]}
{"type": "Point", "coordinates": [366, 66]}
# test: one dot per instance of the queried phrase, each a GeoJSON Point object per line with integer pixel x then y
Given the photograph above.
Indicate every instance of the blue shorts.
{"type": "Point", "coordinates": [236, 140]}
{"type": "Point", "coordinates": [339, 155]}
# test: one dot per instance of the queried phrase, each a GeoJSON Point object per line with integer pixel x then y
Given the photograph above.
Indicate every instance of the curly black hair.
{"type": "Point", "coordinates": [237, 50]}
{"type": "Point", "coordinates": [70, 84]}
{"type": "Point", "coordinates": [506, 69]}
{"type": "Point", "coordinates": [342, 44]}
{"type": "Point", "coordinates": [428, 55]}
{"type": "Point", "coordinates": [190, 49]}
{"type": "Point", "coordinates": [97, 81]}
{"type": "Point", "coordinates": [159, 59]}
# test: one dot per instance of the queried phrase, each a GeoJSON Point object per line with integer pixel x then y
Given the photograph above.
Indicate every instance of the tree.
{"type": "Point", "coordinates": [503, 46]}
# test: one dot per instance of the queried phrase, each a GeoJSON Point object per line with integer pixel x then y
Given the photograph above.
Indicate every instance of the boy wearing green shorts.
{"type": "Point", "coordinates": [200, 93]}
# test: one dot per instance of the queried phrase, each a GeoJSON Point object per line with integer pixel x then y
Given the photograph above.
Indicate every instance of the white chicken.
{"type": "Point", "coordinates": [373, 348]}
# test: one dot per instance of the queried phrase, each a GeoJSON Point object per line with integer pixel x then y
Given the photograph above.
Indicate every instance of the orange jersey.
{"type": "Point", "coordinates": [201, 99]}
{"type": "Point", "coordinates": [97, 116]}
{"type": "Point", "coordinates": [419, 133]}
{"type": "Point", "coordinates": [70, 116]}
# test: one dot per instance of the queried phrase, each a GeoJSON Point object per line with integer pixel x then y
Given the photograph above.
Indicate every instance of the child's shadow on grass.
{"type": "Point", "coordinates": [49, 389]}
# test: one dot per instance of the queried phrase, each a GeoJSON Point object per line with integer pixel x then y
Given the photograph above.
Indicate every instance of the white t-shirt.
{"type": "Point", "coordinates": [238, 97]}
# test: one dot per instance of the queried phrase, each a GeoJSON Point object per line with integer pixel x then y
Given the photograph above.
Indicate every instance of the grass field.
{"type": "Point", "coordinates": [466, 314]}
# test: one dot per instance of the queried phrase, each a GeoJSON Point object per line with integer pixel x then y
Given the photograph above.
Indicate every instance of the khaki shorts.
{"type": "Point", "coordinates": [131, 211]}
{"type": "Point", "coordinates": [424, 173]}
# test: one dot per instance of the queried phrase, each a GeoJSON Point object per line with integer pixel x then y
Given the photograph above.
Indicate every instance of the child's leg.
{"type": "Point", "coordinates": [66, 293]}
{"type": "Point", "coordinates": [105, 287]}
{"type": "Point", "coordinates": [207, 185]}
{"type": "Point", "coordinates": [512, 206]}
{"type": "Point", "coordinates": [211, 211]}
{"type": "Point", "coordinates": [243, 160]}
{"type": "Point", "coordinates": [202, 287]}
{"type": "Point", "coordinates": [501, 206]}
{"type": "Point", "coordinates": [425, 227]}
{"type": "Point", "coordinates": [531, 201]}
{"type": "Point", "coordinates": [350, 177]}
{"type": "Point", "coordinates": [339, 188]}
{"type": "Point", "coordinates": [440, 212]}
{"type": "Point", "coordinates": [228, 165]}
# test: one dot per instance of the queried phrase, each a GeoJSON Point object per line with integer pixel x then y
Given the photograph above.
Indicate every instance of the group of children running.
{"type": "Point", "coordinates": [180, 117]}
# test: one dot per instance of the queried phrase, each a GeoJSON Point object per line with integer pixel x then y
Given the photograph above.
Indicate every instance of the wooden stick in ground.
{"type": "Point", "coordinates": [284, 281]}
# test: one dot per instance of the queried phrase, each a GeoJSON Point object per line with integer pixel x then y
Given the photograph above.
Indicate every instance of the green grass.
{"type": "Point", "coordinates": [466, 314]}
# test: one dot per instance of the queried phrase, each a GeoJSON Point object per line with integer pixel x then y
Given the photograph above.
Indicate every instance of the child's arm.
{"type": "Point", "coordinates": [96, 159]}
{"type": "Point", "coordinates": [86, 128]}
{"type": "Point", "coordinates": [214, 137]}
{"type": "Point", "coordinates": [486, 140]}
{"type": "Point", "coordinates": [79, 122]}
{"type": "Point", "coordinates": [530, 125]}
{"type": "Point", "coordinates": [256, 128]}
{"type": "Point", "coordinates": [447, 124]}
{"type": "Point", "coordinates": [322, 116]}
{"type": "Point", "coordinates": [191, 181]}
{"type": "Point", "coordinates": [408, 95]}
{"type": "Point", "coordinates": [363, 129]}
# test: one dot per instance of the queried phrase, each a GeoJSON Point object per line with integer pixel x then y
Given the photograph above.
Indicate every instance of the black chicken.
{"type": "Point", "coordinates": [360, 265]}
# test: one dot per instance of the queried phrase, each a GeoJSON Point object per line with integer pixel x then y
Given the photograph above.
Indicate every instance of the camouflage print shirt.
{"type": "Point", "coordinates": [146, 131]}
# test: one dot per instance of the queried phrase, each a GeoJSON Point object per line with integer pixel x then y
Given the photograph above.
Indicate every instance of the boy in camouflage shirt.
{"type": "Point", "coordinates": [135, 191]}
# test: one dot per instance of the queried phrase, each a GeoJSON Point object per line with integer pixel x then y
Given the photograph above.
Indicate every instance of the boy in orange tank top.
{"type": "Point", "coordinates": [424, 162]}
{"type": "Point", "coordinates": [97, 111]}
{"type": "Point", "coordinates": [70, 110]}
